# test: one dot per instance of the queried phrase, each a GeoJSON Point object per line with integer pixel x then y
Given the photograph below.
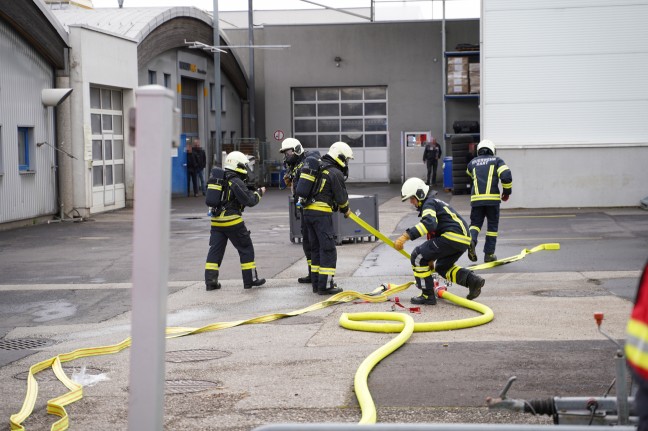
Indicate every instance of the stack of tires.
{"type": "Point", "coordinates": [463, 150]}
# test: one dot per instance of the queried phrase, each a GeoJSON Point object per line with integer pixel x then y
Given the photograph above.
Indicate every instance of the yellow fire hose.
{"type": "Point", "coordinates": [354, 321]}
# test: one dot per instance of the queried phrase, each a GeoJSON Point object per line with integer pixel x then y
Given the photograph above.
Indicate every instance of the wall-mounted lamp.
{"type": "Point", "coordinates": [54, 96]}
{"type": "Point", "coordinates": [337, 60]}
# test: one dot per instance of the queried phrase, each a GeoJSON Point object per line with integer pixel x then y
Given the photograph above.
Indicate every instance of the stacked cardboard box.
{"type": "Point", "coordinates": [473, 78]}
{"type": "Point", "coordinates": [457, 75]}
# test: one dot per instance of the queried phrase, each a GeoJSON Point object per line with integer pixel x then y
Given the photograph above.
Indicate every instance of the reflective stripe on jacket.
{"type": "Point", "coordinates": [439, 219]}
{"type": "Point", "coordinates": [238, 196]}
{"type": "Point", "coordinates": [331, 194]}
{"type": "Point", "coordinates": [486, 173]}
{"type": "Point", "coordinates": [636, 347]}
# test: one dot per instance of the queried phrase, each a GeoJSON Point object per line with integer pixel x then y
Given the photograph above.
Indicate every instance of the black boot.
{"type": "Point", "coordinates": [255, 283]}
{"type": "Point", "coordinates": [490, 257]}
{"type": "Point", "coordinates": [323, 290]}
{"type": "Point", "coordinates": [474, 283]}
{"type": "Point", "coordinates": [471, 251]}
{"type": "Point", "coordinates": [307, 279]}
{"type": "Point", "coordinates": [425, 298]}
{"type": "Point", "coordinates": [212, 284]}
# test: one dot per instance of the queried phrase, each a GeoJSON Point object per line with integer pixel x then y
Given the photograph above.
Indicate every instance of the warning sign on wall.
{"type": "Point", "coordinates": [278, 135]}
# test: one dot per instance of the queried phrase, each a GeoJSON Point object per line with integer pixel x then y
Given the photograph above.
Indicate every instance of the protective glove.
{"type": "Point", "coordinates": [287, 180]}
{"type": "Point", "coordinates": [398, 244]}
{"type": "Point", "coordinates": [347, 213]}
{"type": "Point", "coordinates": [505, 197]}
{"type": "Point", "coordinates": [261, 191]}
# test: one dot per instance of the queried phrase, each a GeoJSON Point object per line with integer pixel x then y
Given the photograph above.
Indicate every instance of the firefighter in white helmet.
{"type": "Point", "coordinates": [329, 194]}
{"type": "Point", "coordinates": [294, 156]}
{"type": "Point", "coordinates": [228, 224]}
{"type": "Point", "coordinates": [448, 239]}
{"type": "Point", "coordinates": [487, 171]}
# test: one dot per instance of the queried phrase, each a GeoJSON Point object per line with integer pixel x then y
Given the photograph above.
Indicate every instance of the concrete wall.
{"type": "Point", "coordinates": [405, 56]}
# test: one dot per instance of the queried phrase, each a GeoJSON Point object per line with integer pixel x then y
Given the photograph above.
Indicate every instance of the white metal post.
{"type": "Point", "coordinates": [153, 141]}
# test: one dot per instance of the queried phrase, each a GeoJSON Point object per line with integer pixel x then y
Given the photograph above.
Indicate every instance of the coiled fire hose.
{"type": "Point", "coordinates": [353, 321]}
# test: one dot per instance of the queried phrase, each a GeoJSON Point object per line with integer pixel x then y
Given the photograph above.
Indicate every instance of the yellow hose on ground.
{"type": "Point", "coordinates": [56, 406]}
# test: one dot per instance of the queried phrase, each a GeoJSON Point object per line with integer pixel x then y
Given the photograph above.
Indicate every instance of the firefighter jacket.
{"type": "Point", "coordinates": [438, 219]}
{"type": "Point", "coordinates": [636, 348]}
{"type": "Point", "coordinates": [486, 173]}
{"type": "Point", "coordinates": [236, 198]}
{"type": "Point", "coordinates": [330, 193]}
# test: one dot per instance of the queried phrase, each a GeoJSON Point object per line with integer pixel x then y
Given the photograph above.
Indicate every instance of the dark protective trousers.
{"type": "Point", "coordinates": [445, 253]}
{"type": "Point", "coordinates": [192, 179]}
{"type": "Point", "coordinates": [431, 178]}
{"type": "Point", "coordinates": [477, 215]}
{"type": "Point", "coordinates": [306, 244]}
{"type": "Point", "coordinates": [240, 238]}
{"type": "Point", "coordinates": [322, 240]}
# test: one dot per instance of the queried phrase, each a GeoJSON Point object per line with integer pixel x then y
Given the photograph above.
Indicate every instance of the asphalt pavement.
{"type": "Point", "coordinates": [65, 286]}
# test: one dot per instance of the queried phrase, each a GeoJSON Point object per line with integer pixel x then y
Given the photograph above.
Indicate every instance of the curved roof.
{"type": "Point", "coordinates": [133, 23]}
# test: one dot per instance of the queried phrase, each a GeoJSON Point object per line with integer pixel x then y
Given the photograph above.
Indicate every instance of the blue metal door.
{"type": "Point", "coordinates": [179, 169]}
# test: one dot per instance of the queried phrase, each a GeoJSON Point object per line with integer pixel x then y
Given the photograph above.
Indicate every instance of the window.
{"type": "Point", "coordinates": [223, 103]}
{"type": "Point", "coordinates": [167, 80]}
{"type": "Point", "coordinates": [25, 148]}
{"type": "Point", "coordinates": [107, 128]}
{"type": "Point", "coordinates": [212, 98]}
{"type": "Point", "coordinates": [152, 77]}
{"type": "Point", "coordinates": [355, 115]}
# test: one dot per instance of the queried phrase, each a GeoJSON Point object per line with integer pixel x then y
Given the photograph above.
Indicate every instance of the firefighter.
{"type": "Point", "coordinates": [448, 239]}
{"type": "Point", "coordinates": [227, 224]}
{"type": "Point", "coordinates": [294, 155]}
{"type": "Point", "coordinates": [636, 349]}
{"type": "Point", "coordinates": [486, 171]}
{"type": "Point", "coordinates": [329, 195]}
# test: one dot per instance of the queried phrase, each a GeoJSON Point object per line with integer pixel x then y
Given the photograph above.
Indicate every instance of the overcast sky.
{"type": "Point", "coordinates": [425, 8]}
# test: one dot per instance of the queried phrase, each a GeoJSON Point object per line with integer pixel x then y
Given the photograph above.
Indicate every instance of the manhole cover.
{"type": "Point", "coordinates": [188, 386]}
{"type": "Point", "coordinates": [49, 376]}
{"type": "Point", "coordinates": [566, 293]}
{"type": "Point", "coordinates": [25, 343]}
{"type": "Point", "coordinates": [195, 355]}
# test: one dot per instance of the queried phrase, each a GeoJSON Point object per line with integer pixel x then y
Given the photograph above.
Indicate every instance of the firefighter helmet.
{"type": "Point", "coordinates": [236, 161]}
{"type": "Point", "coordinates": [292, 144]}
{"type": "Point", "coordinates": [341, 153]}
{"type": "Point", "coordinates": [485, 147]}
{"type": "Point", "coordinates": [414, 187]}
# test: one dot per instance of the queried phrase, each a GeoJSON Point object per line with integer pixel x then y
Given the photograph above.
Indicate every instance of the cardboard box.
{"type": "Point", "coordinates": [463, 61]}
{"type": "Point", "coordinates": [457, 81]}
{"type": "Point", "coordinates": [457, 75]}
{"type": "Point", "coordinates": [473, 68]}
{"type": "Point", "coordinates": [458, 89]}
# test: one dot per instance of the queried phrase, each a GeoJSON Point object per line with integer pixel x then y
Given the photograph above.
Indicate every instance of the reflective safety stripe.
{"type": "Point", "coordinates": [315, 269]}
{"type": "Point", "coordinates": [214, 187]}
{"type": "Point", "coordinates": [502, 169]}
{"type": "Point", "coordinates": [248, 265]}
{"type": "Point", "coordinates": [485, 197]}
{"type": "Point", "coordinates": [475, 228]}
{"type": "Point", "coordinates": [491, 233]}
{"type": "Point", "coordinates": [319, 206]}
{"type": "Point", "coordinates": [422, 271]}
{"type": "Point", "coordinates": [420, 227]}
{"type": "Point", "coordinates": [308, 177]}
{"type": "Point", "coordinates": [507, 185]}
{"type": "Point", "coordinates": [462, 239]}
{"type": "Point", "coordinates": [452, 273]}
{"type": "Point", "coordinates": [211, 266]}
{"type": "Point", "coordinates": [428, 212]}
{"type": "Point", "coordinates": [636, 348]}
{"type": "Point", "coordinates": [489, 183]}
{"type": "Point", "coordinates": [220, 222]}
{"type": "Point", "coordinates": [456, 218]}
{"type": "Point", "coordinates": [327, 271]}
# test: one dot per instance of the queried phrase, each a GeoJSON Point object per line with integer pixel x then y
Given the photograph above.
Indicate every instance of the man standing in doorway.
{"type": "Point", "coordinates": [192, 169]}
{"type": "Point", "coordinates": [201, 160]}
{"type": "Point", "coordinates": [431, 156]}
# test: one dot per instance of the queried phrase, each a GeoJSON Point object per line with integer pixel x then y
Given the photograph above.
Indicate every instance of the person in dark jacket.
{"type": "Point", "coordinates": [192, 170]}
{"type": "Point", "coordinates": [448, 239]}
{"type": "Point", "coordinates": [201, 161]}
{"type": "Point", "coordinates": [330, 195]}
{"type": "Point", "coordinates": [228, 224]}
{"type": "Point", "coordinates": [431, 156]}
{"type": "Point", "coordinates": [294, 155]}
{"type": "Point", "coordinates": [487, 171]}
{"type": "Point", "coordinates": [636, 349]}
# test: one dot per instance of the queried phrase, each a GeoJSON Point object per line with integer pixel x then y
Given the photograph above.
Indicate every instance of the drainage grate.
{"type": "Point", "coordinates": [195, 355]}
{"type": "Point", "coordinates": [576, 293]}
{"type": "Point", "coordinates": [25, 343]}
{"type": "Point", "coordinates": [189, 386]}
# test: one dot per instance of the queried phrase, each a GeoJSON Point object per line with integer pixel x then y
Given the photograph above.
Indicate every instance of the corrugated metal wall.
{"type": "Point", "coordinates": [23, 74]}
{"type": "Point", "coordinates": [565, 72]}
